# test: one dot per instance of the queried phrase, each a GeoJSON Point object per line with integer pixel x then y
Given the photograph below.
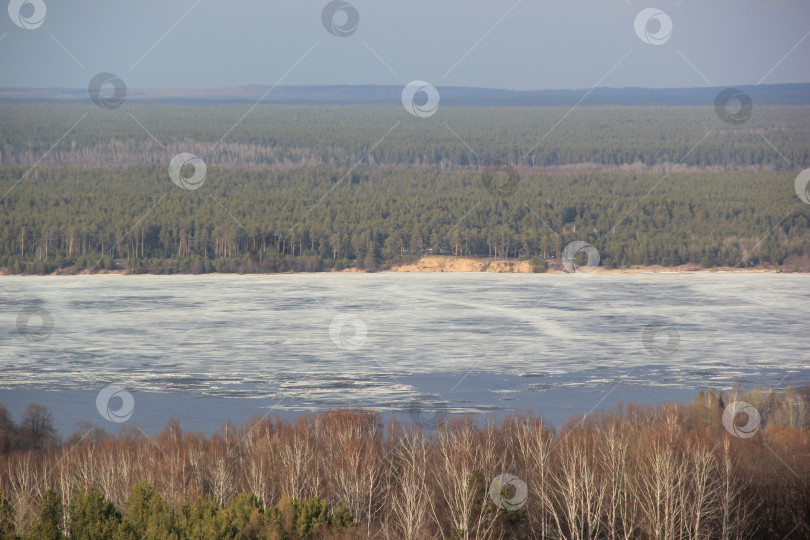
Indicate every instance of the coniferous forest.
{"type": "Point", "coordinates": [312, 188]}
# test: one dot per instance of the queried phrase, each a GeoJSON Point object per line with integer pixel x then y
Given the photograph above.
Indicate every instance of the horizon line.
{"type": "Point", "coordinates": [374, 85]}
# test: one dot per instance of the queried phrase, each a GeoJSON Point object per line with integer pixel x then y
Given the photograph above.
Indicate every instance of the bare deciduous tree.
{"type": "Point", "coordinates": [410, 498]}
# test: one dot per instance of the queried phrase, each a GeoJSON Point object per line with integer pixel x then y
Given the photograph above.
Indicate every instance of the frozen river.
{"type": "Point", "coordinates": [207, 348]}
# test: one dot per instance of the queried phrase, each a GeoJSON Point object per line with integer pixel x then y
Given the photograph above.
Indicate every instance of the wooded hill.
{"type": "Point", "coordinates": [453, 96]}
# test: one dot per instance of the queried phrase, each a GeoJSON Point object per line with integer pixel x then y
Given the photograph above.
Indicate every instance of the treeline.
{"type": "Point", "coordinates": [287, 136]}
{"type": "Point", "coordinates": [673, 472]}
{"type": "Point", "coordinates": [312, 219]}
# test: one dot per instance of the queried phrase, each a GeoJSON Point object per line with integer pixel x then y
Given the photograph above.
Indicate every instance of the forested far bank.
{"type": "Point", "coordinates": [135, 219]}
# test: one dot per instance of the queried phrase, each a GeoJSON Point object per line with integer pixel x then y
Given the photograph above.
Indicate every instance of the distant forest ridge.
{"type": "Point", "coordinates": [282, 137]}
{"type": "Point", "coordinates": [772, 94]}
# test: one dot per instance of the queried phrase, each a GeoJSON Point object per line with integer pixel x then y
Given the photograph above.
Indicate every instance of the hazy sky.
{"type": "Point", "coordinates": [528, 44]}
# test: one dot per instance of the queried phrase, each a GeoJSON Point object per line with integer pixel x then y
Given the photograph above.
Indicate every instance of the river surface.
{"type": "Point", "coordinates": [205, 349]}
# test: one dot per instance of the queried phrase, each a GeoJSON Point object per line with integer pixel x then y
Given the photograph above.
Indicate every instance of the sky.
{"type": "Point", "coordinates": [512, 44]}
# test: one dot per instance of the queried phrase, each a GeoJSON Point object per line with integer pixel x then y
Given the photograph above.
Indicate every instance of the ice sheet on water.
{"type": "Point", "coordinates": [244, 336]}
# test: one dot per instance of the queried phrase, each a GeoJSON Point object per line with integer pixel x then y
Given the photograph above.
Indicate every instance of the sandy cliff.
{"type": "Point", "coordinates": [447, 263]}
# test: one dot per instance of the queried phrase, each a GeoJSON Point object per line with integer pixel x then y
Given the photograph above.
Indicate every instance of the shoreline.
{"type": "Point", "coordinates": [457, 264]}
{"type": "Point", "coordinates": [452, 263]}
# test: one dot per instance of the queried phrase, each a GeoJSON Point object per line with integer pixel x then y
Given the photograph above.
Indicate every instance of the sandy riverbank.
{"type": "Point", "coordinates": [439, 263]}
{"type": "Point", "coordinates": [450, 263]}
